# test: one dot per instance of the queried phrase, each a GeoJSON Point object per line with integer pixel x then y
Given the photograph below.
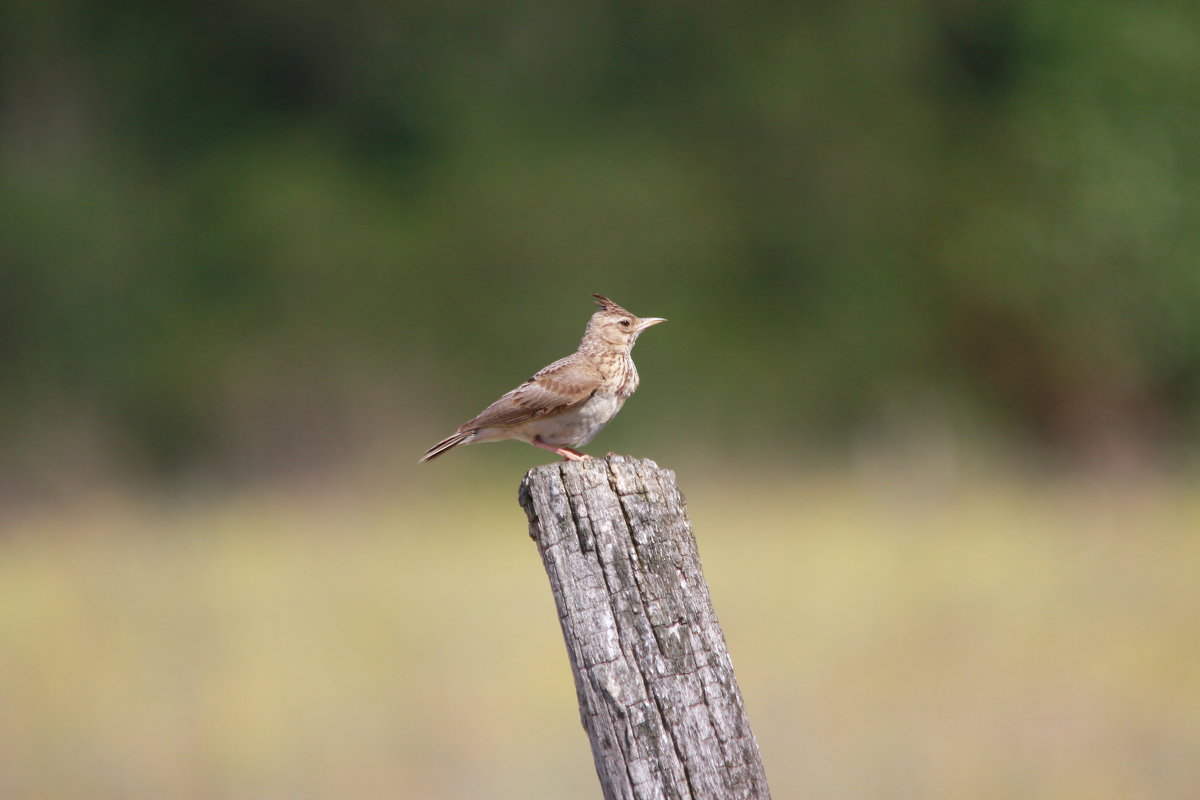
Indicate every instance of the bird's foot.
{"type": "Point", "coordinates": [567, 453]}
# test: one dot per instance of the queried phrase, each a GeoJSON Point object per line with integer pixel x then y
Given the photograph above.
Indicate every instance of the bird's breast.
{"type": "Point", "coordinates": [621, 376]}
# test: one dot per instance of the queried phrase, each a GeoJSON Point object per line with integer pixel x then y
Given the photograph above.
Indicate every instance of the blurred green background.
{"type": "Point", "coordinates": [930, 381]}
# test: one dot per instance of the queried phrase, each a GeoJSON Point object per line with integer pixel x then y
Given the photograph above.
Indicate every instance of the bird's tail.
{"type": "Point", "coordinates": [459, 437]}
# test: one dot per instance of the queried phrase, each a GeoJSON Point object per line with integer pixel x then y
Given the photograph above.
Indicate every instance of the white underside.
{"type": "Point", "coordinates": [573, 428]}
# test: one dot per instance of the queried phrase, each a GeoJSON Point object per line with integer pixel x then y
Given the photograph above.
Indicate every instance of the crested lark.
{"type": "Point", "coordinates": [567, 403]}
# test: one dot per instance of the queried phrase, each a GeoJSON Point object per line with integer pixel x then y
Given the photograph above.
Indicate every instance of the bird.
{"type": "Point", "coordinates": [564, 405]}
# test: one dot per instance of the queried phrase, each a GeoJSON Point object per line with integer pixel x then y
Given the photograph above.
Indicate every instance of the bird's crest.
{"type": "Point", "coordinates": [609, 305]}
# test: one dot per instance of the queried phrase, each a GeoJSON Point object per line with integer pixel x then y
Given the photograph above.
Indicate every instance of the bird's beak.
{"type": "Point", "coordinates": [646, 322]}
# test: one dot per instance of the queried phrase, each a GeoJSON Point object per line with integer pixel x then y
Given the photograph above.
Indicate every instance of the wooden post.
{"type": "Point", "coordinates": [655, 684]}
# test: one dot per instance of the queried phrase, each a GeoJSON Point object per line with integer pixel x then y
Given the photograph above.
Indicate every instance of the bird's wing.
{"type": "Point", "coordinates": [556, 388]}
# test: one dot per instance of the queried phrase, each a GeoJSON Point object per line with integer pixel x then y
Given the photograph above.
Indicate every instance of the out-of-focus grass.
{"type": "Point", "coordinates": [992, 639]}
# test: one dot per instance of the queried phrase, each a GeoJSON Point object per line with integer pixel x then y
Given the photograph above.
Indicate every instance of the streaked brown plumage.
{"type": "Point", "coordinates": [566, 404]}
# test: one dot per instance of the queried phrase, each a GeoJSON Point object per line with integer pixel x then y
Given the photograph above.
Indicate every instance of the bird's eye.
{"type": "Point", "coordinates": [624, 323]}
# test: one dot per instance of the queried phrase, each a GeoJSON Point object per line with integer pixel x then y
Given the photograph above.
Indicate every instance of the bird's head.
{"type": "Point", "coordinates": [615, 325]}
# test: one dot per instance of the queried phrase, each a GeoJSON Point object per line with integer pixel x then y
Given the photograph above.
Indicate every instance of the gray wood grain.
{"type": "Point", "coordinates": [656, 688]}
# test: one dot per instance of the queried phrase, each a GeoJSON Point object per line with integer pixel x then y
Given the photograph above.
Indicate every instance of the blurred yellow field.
{"type": "Point", "coordinates": [993, 640]}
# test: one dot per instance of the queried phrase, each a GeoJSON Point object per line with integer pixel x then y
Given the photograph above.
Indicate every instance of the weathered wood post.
{"type": "Point", "coordinates": [655, 684]}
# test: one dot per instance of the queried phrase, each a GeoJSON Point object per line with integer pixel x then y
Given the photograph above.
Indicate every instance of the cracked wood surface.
{"type": "Point", "coordinates": [656, 688]}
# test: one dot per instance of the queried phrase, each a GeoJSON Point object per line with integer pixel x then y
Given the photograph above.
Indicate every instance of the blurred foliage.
{"type": "Point", "coordinates": [241, 235]}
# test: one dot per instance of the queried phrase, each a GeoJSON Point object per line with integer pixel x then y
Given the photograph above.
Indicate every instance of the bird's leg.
{"type": "Point", "coordinates": [567, 453]}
